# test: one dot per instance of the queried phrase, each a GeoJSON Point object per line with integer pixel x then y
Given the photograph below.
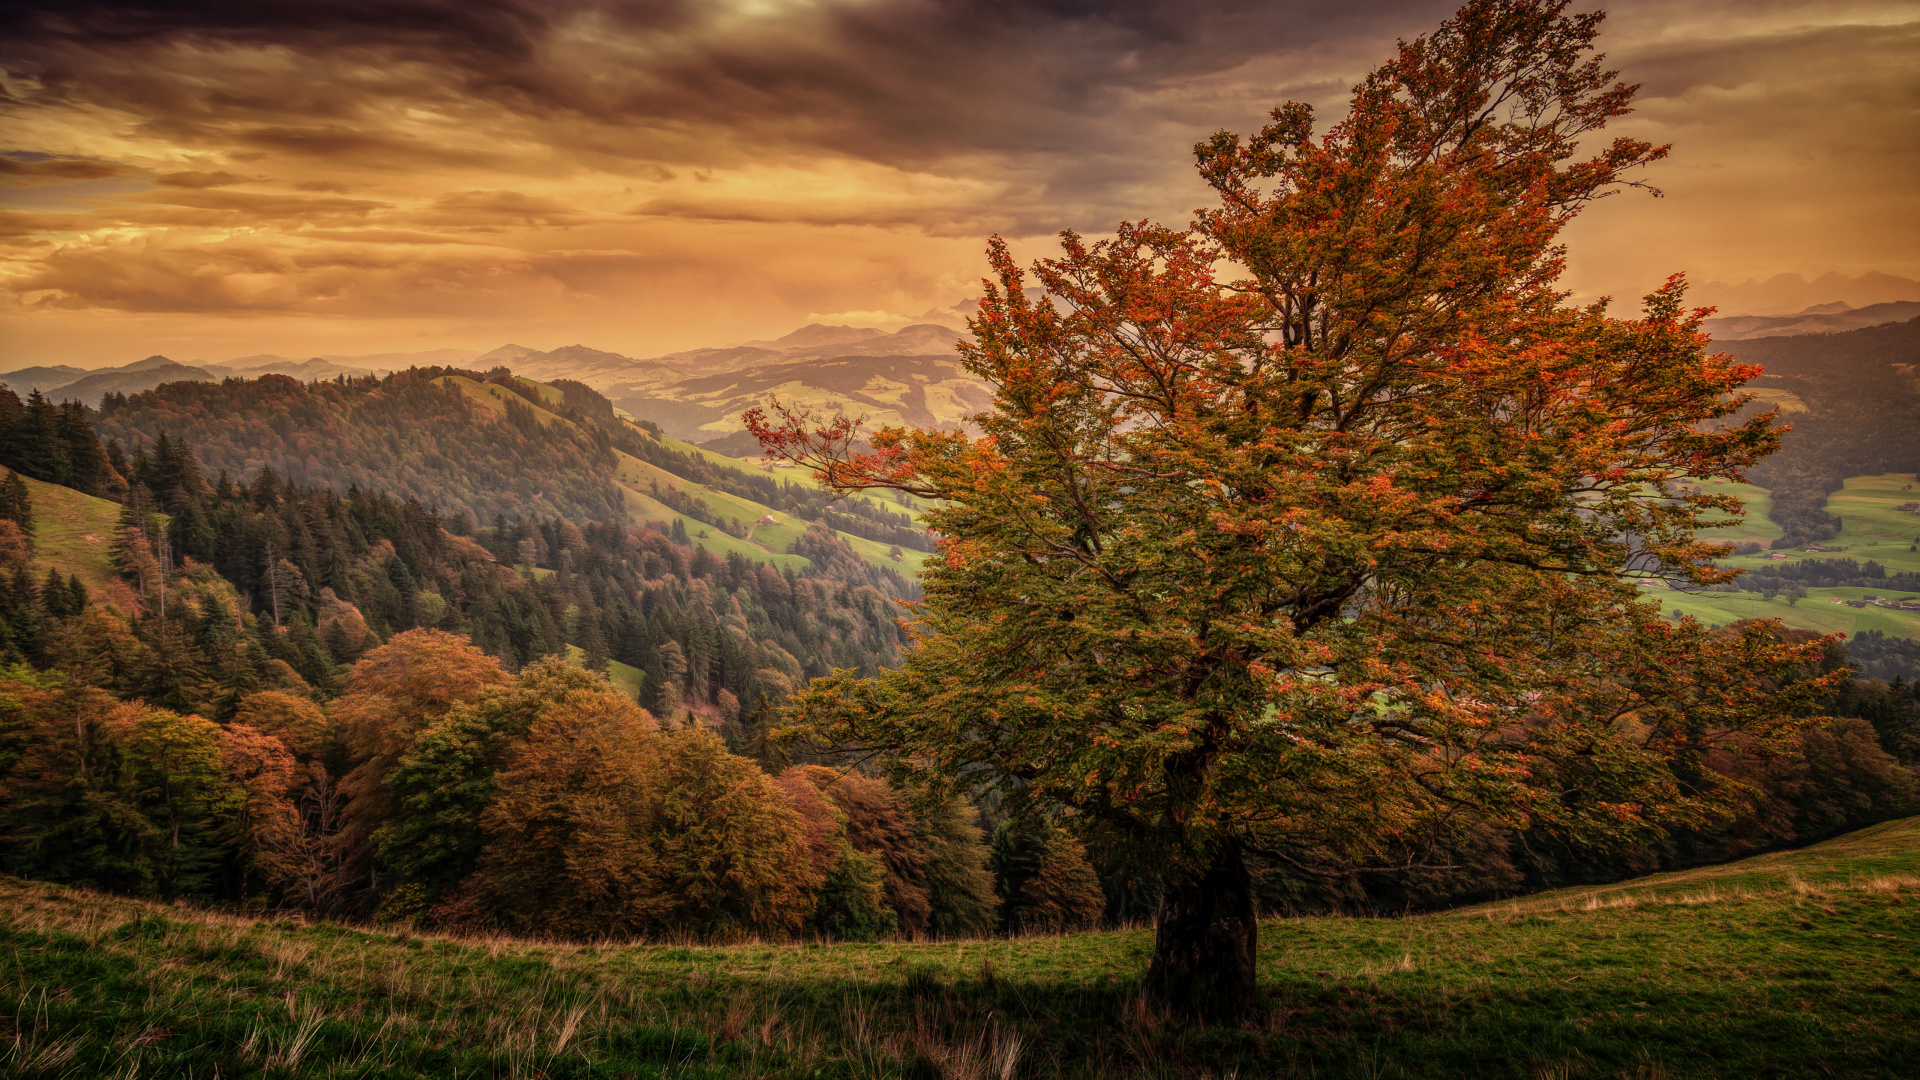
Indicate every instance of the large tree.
{"type": "Point", "coordinates": [1316, 533]}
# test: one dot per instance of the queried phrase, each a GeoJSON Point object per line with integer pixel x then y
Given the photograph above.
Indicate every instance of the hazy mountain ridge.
{"type": "Point", "coordinates": [1785, 294]}
{"type": "Point", "coordinates": [62, 381]}
{"type": "Point", "coordinates": [1829, 318]}
{"type": "Point", "coordinates": [911, 376]}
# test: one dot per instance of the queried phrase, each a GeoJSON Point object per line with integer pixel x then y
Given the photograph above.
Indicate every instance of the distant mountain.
{"type": "Point", "coordinates": [928, 391]}
{"type": "Point", "coordinates": [816, 336]}
{"type": "Point", "coordinates": [133, 378]}
{"type": "Point", "coordinates": [1784, 294]}
{"type": "Point", "coordinates": [1819, 319]}
{"type": "Point", "coordinates": [304, 370]}
{"type": "Point", "coordinates": [911, 375]}
{"type": "Point", "coordinates": [42, 378]}
{"type": "Point", "coordinates": [604, 371]}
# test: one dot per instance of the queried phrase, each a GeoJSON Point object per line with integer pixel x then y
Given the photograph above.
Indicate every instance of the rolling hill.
{"type": "Point", "coordinates": [908, 376]}
{"type": "Point", "coordinates": [90, 386]}
{"type": "Point", "coordinates": [1792, 964]}
{"type": "Point", "coordinates": [1820, 319]}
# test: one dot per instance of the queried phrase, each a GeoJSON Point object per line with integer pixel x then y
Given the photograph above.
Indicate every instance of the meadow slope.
{"type": "Point", "coordinates": [1793, 964]}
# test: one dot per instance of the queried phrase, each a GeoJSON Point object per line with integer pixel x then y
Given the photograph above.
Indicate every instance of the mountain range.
{"type": "Point", "coordinates": [910, 376]}
{"type": "Point", "coordinates": [64, 382]}
{"type": "Point", "coordinates": [1829, 318]}
{"type": "Point", "coordinates": [1785, 294]}
{"type": "Point", "coordinates": [907, 376]}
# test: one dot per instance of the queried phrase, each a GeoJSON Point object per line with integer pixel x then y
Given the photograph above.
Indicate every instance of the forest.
{"type": "Point", "coordinates": [1213, 626]}
{"type": "Point", "coordinates": [346, 703]}
{"type": "Point", "coordinates": [234, 720]}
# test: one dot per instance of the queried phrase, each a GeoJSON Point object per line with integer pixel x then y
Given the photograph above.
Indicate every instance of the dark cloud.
{"type": "Point", "coordinates": [749, 161]}
{"type": "Point", "coordinates": [196, 179]}
{"type": "Point", "coordinates": [906, 83]}
{"type": "Point", "coordinates": [42, 169]}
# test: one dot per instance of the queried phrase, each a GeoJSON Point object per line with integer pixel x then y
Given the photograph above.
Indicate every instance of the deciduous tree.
{"type": "Point", "coordinates": [1313, 532]}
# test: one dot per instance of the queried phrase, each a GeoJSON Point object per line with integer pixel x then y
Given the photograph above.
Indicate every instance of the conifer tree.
{"type": "Point", "coordinates": [16, 503]}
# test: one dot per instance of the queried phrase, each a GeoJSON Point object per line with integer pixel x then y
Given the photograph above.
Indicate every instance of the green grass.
{"type": "Point", "coordinates": [72, 533]}
{"type": "Point", "coordinates": [1816, 612]}
{"type": "Point", "coordinates": [1870, 527]}
{"type": "Point", "coordinates": [766, 543]}
{"type": "Point", "coordinates": [1756, 526]}
{"type": "Point", "coordinates": [625, 677]}
{"type": "Point", "coordinates": [1795, 964]}
{"type": "Point", "coordinates": [495, 398]}
{"type": "Point", "coordinates": [644, 507]}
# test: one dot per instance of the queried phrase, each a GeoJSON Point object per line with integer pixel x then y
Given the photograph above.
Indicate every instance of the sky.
{"type": "Point", "coordinates": [209, 179]}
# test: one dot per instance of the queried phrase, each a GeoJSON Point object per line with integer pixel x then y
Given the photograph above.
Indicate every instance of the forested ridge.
{"type": "Point", "coordinates": [436, 435]}
{"type": "Point", "coordinates": [1862, 392]}
{"type": "Point", "coordinates": [343, 700]}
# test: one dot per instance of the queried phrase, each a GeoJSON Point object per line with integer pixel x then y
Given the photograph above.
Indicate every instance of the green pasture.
{"type": "Point", "coordinates": [1756, 526]}
{"type": "Point", "coordinates": [625, 677]}
{"type": "Point", "coordinates": [73, 533]}
{"type": "Point", "coordinates": [1816, 612]}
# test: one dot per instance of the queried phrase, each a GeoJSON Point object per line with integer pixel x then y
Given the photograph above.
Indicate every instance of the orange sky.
{"type": "Point", "coordinates": [214, 178]}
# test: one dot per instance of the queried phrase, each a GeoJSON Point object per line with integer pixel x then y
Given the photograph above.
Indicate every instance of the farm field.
{"type": "Point", "coordinates": [1794, 964]}
{"type": "Point", "coordinates": [1872, 530]}
{"type": "Point", "coordinates": [1816, 612]}
{"type": "Point", "coordinates": [1756, 526]}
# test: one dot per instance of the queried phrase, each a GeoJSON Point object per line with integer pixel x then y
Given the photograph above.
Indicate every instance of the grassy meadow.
{"type": "Point", "coordinates": [1871, 530]}
{"type": "Point", "coordinates": [1794, 964]}
{"type": "Point", "coordinates": [73, 533]}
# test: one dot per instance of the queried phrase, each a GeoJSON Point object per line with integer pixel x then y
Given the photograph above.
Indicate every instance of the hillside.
{"type": "Point", "coordinates": [73, 532]}
{"type": "Point", "coordinates": [1796, 964]}
{"type": "Point", "coordinates": [505, 446]}
{"type": "Point", "coordinates": [1859, 416]}
{"type": "Point", "coordinates": [908, 376]}
{"type": "Point", "coordinates": [404, 434]}
{"type": "Point", "coordinates": [1822, 319]}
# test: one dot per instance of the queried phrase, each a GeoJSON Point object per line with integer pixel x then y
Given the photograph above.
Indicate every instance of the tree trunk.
{"type": "Point", "coordinates": [1204, 938]}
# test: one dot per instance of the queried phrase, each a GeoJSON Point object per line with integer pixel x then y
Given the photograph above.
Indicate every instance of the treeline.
{"type": "Point", "coordinates": [1890, 659]}
{"type": "Point", "coordinates": [1861, 769]}
{"type": "Point", "coordinates": [1863, 418]}
{"type": "Point", "coordinates": [442, 789]}
{"type": "Point", "coordinates": [57, 444]}
{"type": "Point", "coordinates": [1826, 574]}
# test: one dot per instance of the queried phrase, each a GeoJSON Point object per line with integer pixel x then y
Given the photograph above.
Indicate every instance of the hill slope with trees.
{"type": "Point", "coordinates": [1861, 390]}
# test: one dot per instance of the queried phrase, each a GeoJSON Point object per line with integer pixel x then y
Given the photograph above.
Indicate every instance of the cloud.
{"type": "Point", "coordinates": [42, 169]}
{"type": "Point", "coordinates": [723, 169]}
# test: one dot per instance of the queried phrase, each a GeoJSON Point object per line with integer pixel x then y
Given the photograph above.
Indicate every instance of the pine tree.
{"type": "Point", "coordinates": [16, 503]}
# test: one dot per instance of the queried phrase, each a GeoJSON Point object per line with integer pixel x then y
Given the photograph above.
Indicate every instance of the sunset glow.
{"type": "Point", "coordinates": [207, 180]}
